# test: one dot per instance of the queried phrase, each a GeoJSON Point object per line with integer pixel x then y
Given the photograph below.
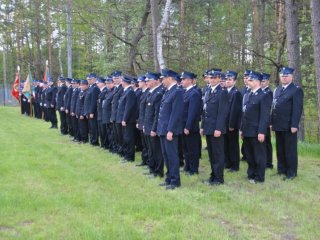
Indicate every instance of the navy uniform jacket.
{"type": "Point", "coordinates": [115, 102]}
{"type": "Point", "coordinates": [90, 101]}
{"type": "Point", "coordinates": [60, 96]}
{"type": "Point", "coordinates": [101, 97]}
{"type": "Point", "coordinates": [80, 103]}
{"type": "Point", "coordinates": [142, 108]}
{"type": "Point", "coordinates": [37, 94]}
{"type": "Point", "coordinates": [138, 92]}
{"type": "Point", "coordinates": [244, 90]}
{"type": "Point", "coordinates": [191, 110]}
{"type": "Point", "coordinates": [43, 98]}
{"type": "Point", "coordinates": [50, 96]}
{"type": "Point", "coordinates": [269, 92]}
{"type": "Point", "coordinates": [170, 114]}
{"type": "Point", "coordinates": [215, 111]}
{"type": "Point", "coordinates": [107, 106]}
{"type": "Point", "coordinates": [127, 107]}
{"type": "Point", "coordinates": [256, 112]}
{"type": "Point", "coordinates": [152, 107]}
{"type": "Point", "coordinates": [235, 109]}
{"type": "Point", "coordinates": [67, 98]}
{"type": "Point", "coordinates": [74, 98]}
{"type": "Point", "coordinates": [287, 108]}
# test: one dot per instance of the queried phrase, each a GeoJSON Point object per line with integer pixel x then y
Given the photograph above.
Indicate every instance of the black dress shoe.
{"type": "Point", "coordinates": [231, 170]}
{"type": "Point", "coordinates": [208, 181]}
{"type": "Point", "coordinates": [171, 187]}
{"type": "Point", "coordinates": [164, 184]}
{"type": "Point", "coordinates": [216, 183]}
{"type": "Point", "coordinates": [288, 178]}
{"type": "Point", "coordinates": [191, 173]}
{"type": "Point", "coordinates": [141, 165]}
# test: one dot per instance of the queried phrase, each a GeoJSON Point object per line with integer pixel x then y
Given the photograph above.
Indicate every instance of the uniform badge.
{"type": "Point", "coordinates": [244, 108]}
{"type": "Point", "coordinates": [274, 103]}
{"type": "Point", "coordinates": [149, 104]}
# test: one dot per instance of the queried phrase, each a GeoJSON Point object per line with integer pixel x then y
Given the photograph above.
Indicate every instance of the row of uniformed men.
{"type": "Point", "coordinates": [162, 112]}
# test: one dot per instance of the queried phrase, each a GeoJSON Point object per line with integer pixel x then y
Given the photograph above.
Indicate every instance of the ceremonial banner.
{"type": "Point", "coordinates": [15, 88]}
{"type": "Point", "coordinates": [27, 87]}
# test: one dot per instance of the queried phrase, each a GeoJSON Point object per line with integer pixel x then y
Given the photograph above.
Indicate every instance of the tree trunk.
{"type": "Point", "coordinates": [155, 22]}
{"type": "Point", "coordinates": [293, 46]}
{"type": "Point", "coordinates": [137, 38]}
{"type": "Point", "coordinates": [49, 44]}
{"type": "Point", "coordinates": [182, 38]}
{"type": "Point", "coordinates": [281, 33]}
{"type": "Point", "coordinates": [258, 30]}
{"type": "Point", "coordinates": [160, 29]}
{"type": "Point", "coordinates": [37, 39]}
{"type": "Point", "coordinates": [69, 38]}
{"type": "Point", "coordinates": [315, 21]}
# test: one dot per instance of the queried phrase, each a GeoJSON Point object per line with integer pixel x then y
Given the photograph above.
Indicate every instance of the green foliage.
{"type": "Point", "coordinates": [52, 188]}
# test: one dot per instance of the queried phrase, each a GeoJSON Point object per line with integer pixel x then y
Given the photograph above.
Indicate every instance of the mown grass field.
{"type": "Point", "coordinates": [52, 188]}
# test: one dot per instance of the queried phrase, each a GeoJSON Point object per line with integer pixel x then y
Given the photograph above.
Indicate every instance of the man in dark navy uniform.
{"type": "Point", "coordinates": [190, 122]}
{"type": "Point", "coordinates": [106, 113]}
{"type": "Point", "coordinates": [231, 143]}
{"type": "Point", "coordinates": [101, 83]}
{"type": "Point", "coordinates": [265, 87]}
{"type": "Point", "coordinates": [43, 105]}
{"type": "Point", "coordinates": [170, 126]}
{"type": "Point", "coordinates": [244, 92]}
{"type": "Point", "coordinates": [62, 88]}
{"type": "Point", "coordinates": [67, 106]}
{"type": "Point", "coordinates": [153, 100]}
{"type": "Point", "coordinates": [138, 92]}
{"type": "Point", "coordinates": [50, 101]}
{"type": "Point", "coordinates": [80, 112]}
{"type": "Point", "coordinates": [73, 105]}
{"type": "Point", "coordinates": [38, 97]}
{"type": "Point", "coordinates": [214, 126]}
{"type": "Point", "coordinates": [126, 115]}
{"type": "Point", "coordinates": [254, 124]}
{"type": "Point", "coordinates": [287, 108]}
{"type": "Point", "coordinates": [36, 102]}
{"type": "Point", "coordinates": [90, 108]}
{"type": "Point", "coordinates": [141, 114]}
{"type": "Point", "coordinates": [117, 128]}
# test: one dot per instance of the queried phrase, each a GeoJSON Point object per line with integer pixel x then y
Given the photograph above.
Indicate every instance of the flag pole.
{"type": "Point", "coordinates": [18, 70]}
{"type": "Point", "coordinates": [30, 90]}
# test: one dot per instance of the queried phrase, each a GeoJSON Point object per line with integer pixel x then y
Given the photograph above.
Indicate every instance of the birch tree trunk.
{"type": "Point", "coordinates": [49, 32]}
{"type": "Point", "coordinates": [182, 39]}
{"type": "Point", "coordinates": [160, 29]}
{"type": "Point", "coordinates": [69, 38]}
{"type": "Point", "coordinates": [315, 21]}
{"type": "Point", "coordinates": [155, 20]}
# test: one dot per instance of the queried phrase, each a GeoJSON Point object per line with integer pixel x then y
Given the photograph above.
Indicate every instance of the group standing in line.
{"type": "Point", "coordinates": [163, 115]}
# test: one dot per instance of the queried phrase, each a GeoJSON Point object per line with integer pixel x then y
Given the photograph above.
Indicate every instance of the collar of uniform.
{"type": "Point", "coordinates": [188, 88]}
{"type": "Point", "coordinates": [214, 87]}
{"type": "Point", "coordinates": [285, 86]}
{"type": "Point", "coordinates": [151, 90]}
{"type": "Point", "coordinates": [101, 89]}
{"type": "Point", "coordinates": [229, 88]}
{"type": "Point", "coordinates": [254, 91]}
{"type": "Point", "coordinates": [264, 88]}
{"type": "Point", "coordinates": [124, 89]}
{"type": "Point", "coordinates": [171, 86]}
{"type": "Point", "coordinates": [143, 90]}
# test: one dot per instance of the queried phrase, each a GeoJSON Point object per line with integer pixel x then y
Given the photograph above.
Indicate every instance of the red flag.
{"type": "Point", "coordinates": [15, 87]}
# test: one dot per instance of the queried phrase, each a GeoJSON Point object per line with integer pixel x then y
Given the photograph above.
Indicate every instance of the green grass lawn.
{"type": "Point", "coordinates": [52, 188]}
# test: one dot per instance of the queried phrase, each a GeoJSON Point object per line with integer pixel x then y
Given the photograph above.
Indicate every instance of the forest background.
{"type": "Point", "coordinates": [135, 36]}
